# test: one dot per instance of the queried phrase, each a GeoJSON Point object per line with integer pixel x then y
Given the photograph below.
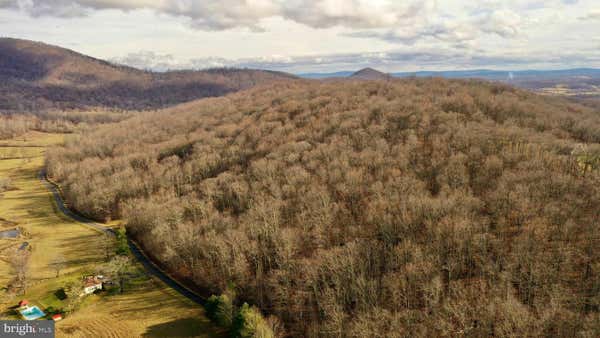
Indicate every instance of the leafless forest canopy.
{"type": "Point", "coordinates": [364, 209]}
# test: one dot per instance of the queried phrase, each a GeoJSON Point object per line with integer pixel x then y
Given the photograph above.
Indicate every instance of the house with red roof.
{"type": "Point", "coordinates": [91, 284]}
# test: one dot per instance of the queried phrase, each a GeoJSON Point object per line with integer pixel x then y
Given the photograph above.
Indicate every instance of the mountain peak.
{"type": "Point", "coordinates": [370, 74]}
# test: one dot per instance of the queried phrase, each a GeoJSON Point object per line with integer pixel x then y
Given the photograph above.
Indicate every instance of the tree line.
{"type": "Point", "coordinates": [16, 124]}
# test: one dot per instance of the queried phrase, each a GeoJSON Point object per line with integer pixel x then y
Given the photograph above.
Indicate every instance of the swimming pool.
{"type": "Point", "coordinates": [32, 312]}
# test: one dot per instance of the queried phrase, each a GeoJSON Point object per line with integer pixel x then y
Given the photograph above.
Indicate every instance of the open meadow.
{"type": "Point", "coordinates": [147, 308]}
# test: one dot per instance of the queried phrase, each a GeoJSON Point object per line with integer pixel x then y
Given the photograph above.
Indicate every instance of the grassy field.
{"type": "Point", "coordinates": [148, 308]}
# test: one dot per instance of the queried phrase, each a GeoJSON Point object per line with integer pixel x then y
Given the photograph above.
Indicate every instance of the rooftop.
{"type": "Point", "coordinates": [91, 281]}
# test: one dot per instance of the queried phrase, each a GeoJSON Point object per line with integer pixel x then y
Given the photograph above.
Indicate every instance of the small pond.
{"type": "Point", "coordinates": [14, 233]}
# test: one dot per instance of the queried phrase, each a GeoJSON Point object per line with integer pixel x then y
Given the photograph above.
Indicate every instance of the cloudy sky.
{"type": "Point", "coordinates": [319, 35]}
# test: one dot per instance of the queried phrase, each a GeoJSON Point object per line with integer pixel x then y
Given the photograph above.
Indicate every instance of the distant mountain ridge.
{"type": "Point", "coordinates": [35, 77]}
{"type": "Point", "coordinates": [578, 82]}
{"type": "Point", "coordinates": [369, 74]}
{"type": "Point", "coordinates": [474, 73]}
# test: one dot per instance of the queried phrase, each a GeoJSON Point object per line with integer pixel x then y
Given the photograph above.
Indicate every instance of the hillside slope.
{"type": "Point", "coordinates": [36, 77]}
{"type": "Point", "coordinates": [365, 209]}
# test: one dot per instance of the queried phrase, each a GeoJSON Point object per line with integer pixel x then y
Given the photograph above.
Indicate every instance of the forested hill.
{"type": "Point", "coordinates": [421, 207]}
{"type": "Point", "coordinates": [37, 77]}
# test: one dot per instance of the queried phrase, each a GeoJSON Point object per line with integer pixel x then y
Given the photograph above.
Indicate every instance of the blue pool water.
{"type": "Point", "coordinates": [32, 313]}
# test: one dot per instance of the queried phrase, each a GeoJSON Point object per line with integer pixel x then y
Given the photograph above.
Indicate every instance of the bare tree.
{"type": "Point", "coordinates": [73, 290]}
{"type": "Point", "coordinates": [109, 244]}
{"type": "Point", "coordinates": [119, 269]}
{"type": "Point", "coordinates": [58, 263]}
{"type": "Point", "coordinates": [19, 261]}
{"type": "Point", "coordinates": [5, 184]}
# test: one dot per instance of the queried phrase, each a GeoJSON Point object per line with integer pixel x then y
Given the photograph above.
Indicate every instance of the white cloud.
{"type": "Point", "coordinates": [406, 60]}
{"type": "Point", "coordinates": [591, 15]}
{"type": "Point", "coordinates": [13, 4]}
{"type": "Point", "coordinates": [353, 13]}
{"type": "Point", "coordinates": [226, 14]}
{"type": "Point", "coordinates": [505, 23]}
{"type": "Point", "coordinates": [149, 60]}
{"type": "Point", "coordinates": [332, 34]}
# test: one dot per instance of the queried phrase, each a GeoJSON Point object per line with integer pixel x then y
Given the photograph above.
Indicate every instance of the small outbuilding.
{"type": "Point", "coordinates": [23, 303]}
{"type": "Point", "coordinates": [57, 317]}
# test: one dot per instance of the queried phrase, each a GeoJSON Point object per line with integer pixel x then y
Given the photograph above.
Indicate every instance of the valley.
{"type": "Point", "coordinates": [147, 308]}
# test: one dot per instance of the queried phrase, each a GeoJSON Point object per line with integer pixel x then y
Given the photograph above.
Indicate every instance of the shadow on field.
{"type": "Point", "coordinates": [24, 173]}
{"type": "Point", "coordinates": [187, 327]}
{"type": "Point", "coordinates": [83, 249]}
{"type": "Point", "coordinates": [144, 301]}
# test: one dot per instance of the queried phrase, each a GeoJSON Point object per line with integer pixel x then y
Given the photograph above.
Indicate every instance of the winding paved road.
{"type": "Point", "coordinates": [150, 267]}
{"type": "Point", "coordinates": [63, 208]}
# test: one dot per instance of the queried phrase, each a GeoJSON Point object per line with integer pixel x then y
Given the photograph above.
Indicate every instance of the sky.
{"type": "Point", "coordinates": [302, 36]}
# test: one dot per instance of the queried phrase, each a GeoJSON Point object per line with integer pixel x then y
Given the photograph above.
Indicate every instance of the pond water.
{"type": "Point", "coordinates": [14, 233]}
